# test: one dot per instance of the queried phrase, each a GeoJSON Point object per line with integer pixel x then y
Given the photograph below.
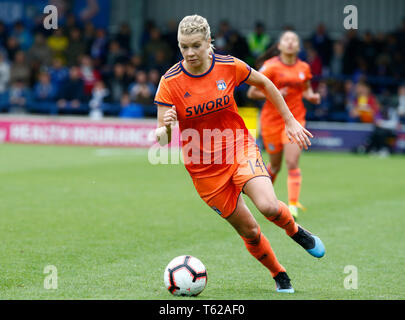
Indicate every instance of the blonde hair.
{"type": "Point", "coordinates": [195, 24]}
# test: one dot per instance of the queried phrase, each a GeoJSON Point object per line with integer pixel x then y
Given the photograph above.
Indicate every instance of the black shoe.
{"type": "Point", "coordinates": [309, 242]}
{"type": "Point", "coordinates": [283, 283]}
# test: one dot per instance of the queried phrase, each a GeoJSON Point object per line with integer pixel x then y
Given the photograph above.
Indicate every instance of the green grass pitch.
{"type": "Point", "coordinates": [109, 221]}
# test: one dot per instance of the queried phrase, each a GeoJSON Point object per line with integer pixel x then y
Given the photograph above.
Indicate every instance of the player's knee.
{"type": "Point", "coordinates": [292, 164]}
{"type": "Point", "coordinates": [269, 208]}
{"type": "Point", "coordinates": [250, 231]}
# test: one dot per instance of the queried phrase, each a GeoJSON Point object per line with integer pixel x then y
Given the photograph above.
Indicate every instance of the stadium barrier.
{"type": "Point", "coordinates": [115, 132]}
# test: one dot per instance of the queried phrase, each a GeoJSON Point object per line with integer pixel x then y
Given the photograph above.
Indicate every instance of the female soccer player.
{"type": "Point", "coordinates": [198, 93]}
{"type": "Point", "coordinates": [292, 77]}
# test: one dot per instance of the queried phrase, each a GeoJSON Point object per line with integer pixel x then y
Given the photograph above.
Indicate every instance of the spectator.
{"type": "Point", "coordinates": [98, 49]}
{"type": "Point", "coordinates": [89, 35]}
{"type": "Point", "coordinates": [383, 138]}
{"type": "Point", "coordinates": [130, 72]}
{"type": "Point", "coordinates": [171, 39]}
{"type": "Point", "coordinates": [76, 47]}
{"type": "Point", "coordinates": [3, 33]}
{"type": "Point", "coordinates": [44, 95]}
{"type": "Point", "coordinates": [58, 73]}
{"type": "Point", "coordinates": [142, 91]}
{"type": "Point", "coordinates": [116, 54]}
{"type": "Point", "coordinates": [130, 109]}
{"type": "Point", "coordinates": [155, 48]}
{"type": "Point", "coordinates": [368, 52]}
{"type": "Point", "coordinates": [96, 102]}
{"type": "Point", "coordinates": [22, 35]}
{"type": "Point", "coordinates": [19, 96]}
{"type": "Point", "coordinates": [401, 103]}
{"type": "Point", "coordinates": [337, 110]}
{"type": "Point", "coordinates": [222, 37]}
{"type": "Point", "coordinates": [44, 89]}
{"type": "Point", "coordinates": [321, 111]}
{"type": "Point", "coordinates": [117, 83]}
{"type": "Point", "coordinates": [20, 69]}
{"type": "Point", "coordinates": [366, 107]}
{"type": "Point", "coordinates": [39, 51]}
{"type": "Point", "coordinates": [322, 44]}
{"type": "Point", "coordinates": [4, 74]}
{"type": "Point", "coordinates": [58, 43]}
{"type": "Point", "coordinates": [315, 63]}
{"type": "Point", "coordinates": [88, 74]}
{"type": "Point", "coordinates": [161, 63]}
{"type": "Point", "coordinates": [237, 46]}
{"type": "Point", "coordinates": [258, 40]}
{"type": "Point", "coordinates": [12, 47]}
{"type": "Point", "coordinates": [336, 63]}
{"type": "Point", "coordinates": [72, 95]}
{"type": "Point", "coordinates": [352, 50]}
{"type": "Point", "coordinates": [146, 32]}
{"type": "Point", "coordinates": [70, 23]}
{"type": "Point", "coordinates": [136, 61]}
{"type": "Point", "coordinates": [124, 37]}
{"type": "Point", "coordinates": [154, 77]}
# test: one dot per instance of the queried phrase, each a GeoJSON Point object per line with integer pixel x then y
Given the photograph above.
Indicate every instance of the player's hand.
{"type": "Point", "coordinates": [314, 98]}
{"type": "Point", "coordinates": [298, 134]}
{"type": "Point", "coordinates": [170, 117]}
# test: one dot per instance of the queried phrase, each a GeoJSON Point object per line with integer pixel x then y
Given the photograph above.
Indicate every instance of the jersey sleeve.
{"type": "Point", "coordinates": [267, 70]}
{"type": "Point", "coordinates": [243, 71]}
{"type": "Point", "coordinates": [163, 96]}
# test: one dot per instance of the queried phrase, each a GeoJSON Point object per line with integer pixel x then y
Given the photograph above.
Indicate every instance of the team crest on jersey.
{"type": "Point", "coordinates": [301, 75]}
{"type": "Point", "coordinates": [221, 85]}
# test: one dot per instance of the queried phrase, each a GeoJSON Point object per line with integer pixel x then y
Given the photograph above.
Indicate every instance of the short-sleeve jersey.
{"type": "Point", "coordinates": [205, 104]}
{"type": "Point", "coordinates": [293, 77]}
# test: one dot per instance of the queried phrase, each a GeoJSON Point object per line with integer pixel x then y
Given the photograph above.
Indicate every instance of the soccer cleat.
{"type": "Point", "coordinates": [309, 242]}
{"type": "Point", "coordinates": [283, 284]}
{"type": "Point", "coordinates": [294, 211]}
{"type": "Point", "coordinates": [301, 207]}
{"type": "Point", "coordinates": [293, 207]}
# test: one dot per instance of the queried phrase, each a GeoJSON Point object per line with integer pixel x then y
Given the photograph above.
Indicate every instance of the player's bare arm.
{"type": "Point", "coordinates": [255, 93]}
{"type": "Point", "coordinates": [310, 95]}
{"type": "Point", "coordinates": [167, 117]}
{"type": "Point", "coordinates": [294, 130]}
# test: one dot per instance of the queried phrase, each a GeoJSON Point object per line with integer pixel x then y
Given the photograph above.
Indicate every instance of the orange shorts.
{"type": "Point", "coordinates": [275, 139]}
{"type": "Point", "coordinates": [221, 192]}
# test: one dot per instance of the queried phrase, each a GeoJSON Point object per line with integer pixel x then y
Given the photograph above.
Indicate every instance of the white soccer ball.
{"type": "Point", "coordinates": [185, 276]}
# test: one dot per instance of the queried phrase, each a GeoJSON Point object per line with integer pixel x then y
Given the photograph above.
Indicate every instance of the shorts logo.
{"type": "Point", "coordinates": [216, 210]}
{"type": "Point", "coordinates": [221, 85]}
{"type": "Point", "coordinates": [271, 146]}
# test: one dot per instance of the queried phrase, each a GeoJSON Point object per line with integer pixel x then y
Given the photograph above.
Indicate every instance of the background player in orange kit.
{"type": "Point", "coordinates": [198, 93]}
{"type": "Point", "coordinates": [292, 77]}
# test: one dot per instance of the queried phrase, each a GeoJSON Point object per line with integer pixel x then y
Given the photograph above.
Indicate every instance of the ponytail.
{"type": "Point", "coordinates": [272, 51]}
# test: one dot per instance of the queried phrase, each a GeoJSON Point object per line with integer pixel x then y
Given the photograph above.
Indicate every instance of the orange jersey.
{"type": "Point", "coordinates": [293, 78]}
{"type": "Point", "coordinates": [205, 103]}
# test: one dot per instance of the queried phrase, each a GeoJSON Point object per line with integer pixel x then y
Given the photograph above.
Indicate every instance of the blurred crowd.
{"type": "Point", "coordinates": [80, 69]}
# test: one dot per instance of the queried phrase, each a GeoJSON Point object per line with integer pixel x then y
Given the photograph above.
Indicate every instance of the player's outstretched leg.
{"type": "Point", "coordinates": [261, 191]}
{"type": "Point", "coordinates": [258, 245]}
